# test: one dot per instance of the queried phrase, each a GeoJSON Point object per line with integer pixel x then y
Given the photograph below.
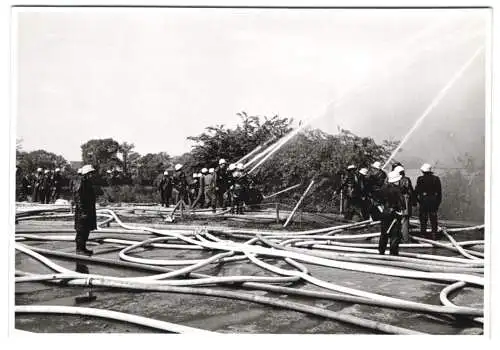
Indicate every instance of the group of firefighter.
{"type": "Point", "coordinates": [224, 186]}
{"type": "Point", "coordinates": [389, 198]}
{"type": "Point", "coordinates": [44, 186]}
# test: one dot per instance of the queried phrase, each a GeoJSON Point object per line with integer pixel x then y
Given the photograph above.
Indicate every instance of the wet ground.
{"type": "Point", "coordinates": [227, 315]}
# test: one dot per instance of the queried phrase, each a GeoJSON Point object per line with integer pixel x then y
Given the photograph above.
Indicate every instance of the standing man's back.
{"type": "Point", "coordinates": [429, 195]}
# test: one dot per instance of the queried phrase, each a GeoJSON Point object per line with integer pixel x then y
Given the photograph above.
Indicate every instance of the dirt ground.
{"type": "Point", "coordinates": [219, 314]}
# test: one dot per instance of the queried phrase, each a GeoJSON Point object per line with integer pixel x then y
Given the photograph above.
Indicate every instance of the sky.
{"type": "Point", "coordinates": [153, 77]}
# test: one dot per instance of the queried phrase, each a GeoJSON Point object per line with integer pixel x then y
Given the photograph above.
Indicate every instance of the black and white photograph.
{"type": "Point", "coordinates": [251, 170]}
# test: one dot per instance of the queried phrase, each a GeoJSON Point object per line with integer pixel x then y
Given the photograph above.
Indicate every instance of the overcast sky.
{"type": "Point", "coordinates": [153, 77]}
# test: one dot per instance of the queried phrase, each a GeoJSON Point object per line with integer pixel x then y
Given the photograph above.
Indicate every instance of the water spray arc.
{"type": "Point", "coordinates": [434, 103]}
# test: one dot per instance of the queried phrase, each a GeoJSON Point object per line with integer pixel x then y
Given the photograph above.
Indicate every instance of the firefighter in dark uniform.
{"type": "Point", "coordinates": [364, 193]}
{"type": "Point", "coordinates": [221, 183]}
{"type": "Point", "coordinates": [56, 184]}
{"type": "Point", "coordinates": [429, 195]}
{"type": "Point", "coordinates": [238, 189]}
{"type": "Point", "coordinates": [352, 193]}
{"type": "Point", "coordinates": [199, 190]}
{"type": "Point", "coordinates": [376, 181]}
{"type": "Point", "coordinates": [393, 207]}
{"type": "Point", "coordinates": [209, 191]}
{"type": "Point", "coordinates": [45, 188]}
{"type": "Point", "coordinates": [193, 187]}
{"type": "Point", "coordinates": [409, 200]}
{"type": "Point", "coordinates": [37, 184]}
{"type": "Point", "coordinates": [165, 188]}
{"type": "Point", "coordinates": [85, 214]}
{"type": "Point", "coordinates": [179, 182]}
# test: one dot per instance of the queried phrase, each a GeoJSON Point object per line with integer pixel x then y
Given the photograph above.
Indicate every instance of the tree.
{"type": "Point", "coordinates": [232, 144]}
{"type": "Point", "coordinates": [314, 154]}
{"type": "Point", "coordinates": [102, 154]}
{"type": "Point", "coordinates": [125, 149]}
{"type": "Point", "coordinates": [151, 166]}
{"type": "Point", "coordinates": [28, 162]}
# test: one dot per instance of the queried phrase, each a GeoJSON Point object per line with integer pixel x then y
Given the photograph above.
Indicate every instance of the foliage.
{"type": "Point", "coordinates": [102, 154]}
{"type": "Point", "coordinates": [463, 191]}
{"type": "Point", "coordinates": [151, 166]}
{"type": "Point", "coordinates": [316, 155]}
{"type": "Point", "coordinates": [28, 162]}
{"type": "Point", "coordinates": [232, 144]}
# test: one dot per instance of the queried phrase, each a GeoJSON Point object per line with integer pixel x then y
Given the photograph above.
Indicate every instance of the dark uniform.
{"type": "Point", "coordinates": [352, 195]}
{"type": "Point", "coordinates": [364, 189]}
{"type": "Point", "coordinates": [393, 205]}
{"type": "Point", "coordinates": [179, 182]}
{"type": "Point", "coordinates": [409, 199]}
{"type": "Point", "coordinates": [56, 184]}
{"type": "Point", "coordinates": [428, 194]}
{"type": "Point", "coordinates": [237, 191]}
{"type": "Point", "coordinates": [199, 192]}
{"type": "Point", "coordinates": [209, 190]}
{"type": "Point", "coordinates": [85, 213]}
{"type": "Point", "coordinates": [376, 181]}
{"type": "Point", "coordinates": [165, 187]}
{"type": "Point", "coordinates": [45, 189]}
{"type": "Point", "coordinates": [221, 186]}
{"type": "Point", "coordinates": [37, 187]}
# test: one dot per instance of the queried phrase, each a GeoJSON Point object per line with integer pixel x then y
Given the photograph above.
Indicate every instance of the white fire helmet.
{"type": "Point", "coordinates": [79, 171]}
{"type": "Point", "coordinates": [394, 176]}
{"type": "Point", "coordinates": [109, 171]}
{"type": "Point", "coordinates": [426, 168]}
{"type": "Point", "coordinates": [399, 169]}
{"type": "Point", "coordinates": [232, 166]}
{"type": "Point", "coordinates": [178, 167]}
{"type": "Point", "coordinates": [222, 161]}
{"type": "Point", "coordinates": [211, 170]}
{"type": "Point", "coordinates": [204, 170]}
{"type": "Point", "coordinates": [39, 170]}
{"type": "Point", "coordinates": [240, 166]}
{"type": "Point", "coordinates": [195, 175]}
{"type": "Point", "coordinates": [87, 169]}
{"type": "Point", "coordinates": [350, 167]}
{"type": "Point", "coordinates": [57, 170]}
{"type": "Point", "coordinates": [363, 171]}
{"type": "Point", "coordinates": [165, 172]}
{"type": "Point", "coordinates": [377, 165]}
{"type": "Point", "coordinates": [46, 171]}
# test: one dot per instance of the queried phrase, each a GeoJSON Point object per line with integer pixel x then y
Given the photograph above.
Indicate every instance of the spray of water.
{"type": "Point", "coordinates": [434, 103]}
{"type": "Point", "coordinates": [395, 56]}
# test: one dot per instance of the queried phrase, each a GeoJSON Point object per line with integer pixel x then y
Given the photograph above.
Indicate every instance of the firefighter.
{"type": "Point", "coordinates": [165, 188]}
{"type": "Point", "coordinates": [199, 191]}
{"type": "Point", "coordinates": [179, 182]}
{"type": "Point", "coordinates": [209, 190]}
{"type": "Point", "coordinates": [378, 177]}
{"type": "Point", "coordinates": [221, 184]}
{"type": "Point", "coordinates": [85, 213]}
{"type": "Point", "coordinates": [37, 184]}
{"type": "Point", "coordinates": [376, 181]}
{"type": "Point", "coordinates": [393, 207]}
{"type": "Point", "coordinates": [395, 165]}
{"type": "Point", "coordinates": [193, 187]}
{"type": "Point", "coordinates": [352, 193]}
{"type": "Point", "coordinates": [237, 191]}
{"type": "Point", "coordinates": [56, 184]}
{"type": "Point", "coordinates": [409, 200]}
{"type": "Point", "coordinates": [428, 194]}
{"type": "Point", "coordinates": [228, 198]}
{"type": "Point", "coordinates": [364, 193]}
{"type": "Point", "coordinates": [109, 177]}
{"type": "Point", "coordinates": [45, 187]}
